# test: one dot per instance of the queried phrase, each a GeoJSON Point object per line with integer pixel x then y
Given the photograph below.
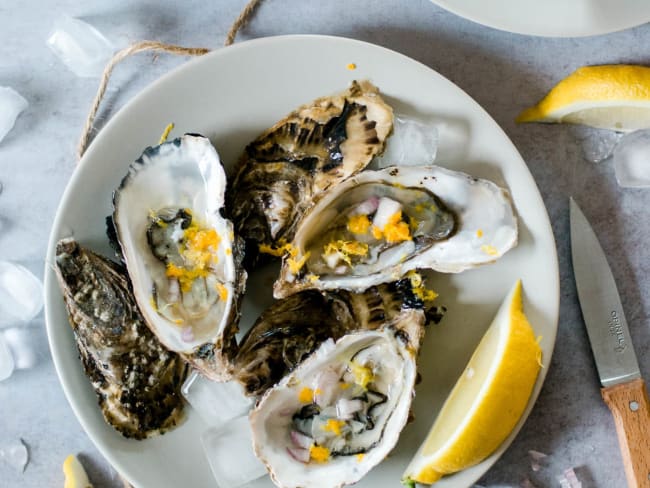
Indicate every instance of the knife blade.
{"type": "Point", "coordinates": [624, 390]}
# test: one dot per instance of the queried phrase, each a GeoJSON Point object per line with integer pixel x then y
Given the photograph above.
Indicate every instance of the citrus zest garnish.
{"type": "Point", "coordinates": [345, 249]}
{"type": "Point", "coordinates": [419, 290]}
{"type": "Point", "coordinates": [479, 233]}
{"type": "Point", "coordinates": [296, 265]}
{"type": "Point", "coordinates": [489, 250]}
{"type": "Point", "coordinates": [351, 66]}
{"type": "Point", "coordinates": [360, 457]}
{"type": "Point", "coordinates": [396, 230]}
{"type": "Point", "coordinates": [359, 224]}
{"type": "Point", "coordinates": [306, 395]}
{"type": "Point", "coordinates": [334, 426]}
{"type": "Point", "coordinates": [362, 374]}
{"type": "Point", "coordinates": [320, 454]}
{"type": "Point", "coordinates": [223, 292]}
{"type": "Point", "coordinates": [165, 133]}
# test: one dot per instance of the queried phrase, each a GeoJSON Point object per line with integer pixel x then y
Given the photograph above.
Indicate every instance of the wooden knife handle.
{"type": "Point", "coordinates": [630, 407]}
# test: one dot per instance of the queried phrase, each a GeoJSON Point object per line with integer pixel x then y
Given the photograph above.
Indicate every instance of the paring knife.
{"type": "Point", "coordinates": [623, 389]}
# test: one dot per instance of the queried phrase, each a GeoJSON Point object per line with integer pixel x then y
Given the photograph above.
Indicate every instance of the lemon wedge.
{"type": "Point", "coordinates": [615, 97]}
{"type": "Point", "coordinates": [488, 399]}
{"type": "Point", "coordinates": [75, 475]}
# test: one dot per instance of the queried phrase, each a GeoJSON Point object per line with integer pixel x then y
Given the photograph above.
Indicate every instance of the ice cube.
{"type": "Point", "coordinates": [215, 402]}
{"type": "Point", "coordinates": [21, 294]}
{"type": "Point", "coordinates": [15, 455]}
{"type": "Point", "coordinates": [414, 142]}
{"type": "Point", "coordinates": [632, 160]}
{"type": "Point", "coordinates": [229, 449]}
{"type": "Point", "coordinates": [11, 105]}
{"type": "Point", "coordinates": [82, 48]}
{"type": "Point", "coordinates": [6, 359]}
{"type": "Point", "coordinates": [20, 344]}
{"type": "Point", "coordinates": [597, 144]}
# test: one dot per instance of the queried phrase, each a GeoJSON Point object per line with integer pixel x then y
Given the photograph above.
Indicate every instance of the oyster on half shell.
{"type": "Point", "coordinates": [181, 254]}
{"type": "Point", "coordinates": [292, 328]}
{"type": "Point", "coordinates": [378, 225]}
{"type": "Point", "coordinates": [340, 412]}
{"type": "Point", "coordinates": [312, 149]}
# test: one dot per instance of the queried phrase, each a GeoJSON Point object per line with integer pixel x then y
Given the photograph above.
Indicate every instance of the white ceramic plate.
{"type": "Point", "coordinates": [232, 95]}
{"type": "Point", "coordinates": [553, 18]}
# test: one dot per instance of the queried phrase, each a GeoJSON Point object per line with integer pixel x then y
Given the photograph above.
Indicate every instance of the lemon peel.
{"type": "Point", "coordinates": [75, 474]}
{"type": "Point", "coordinates": [615, 97]}
{"type": "Point", "coordinates": [488, 399]}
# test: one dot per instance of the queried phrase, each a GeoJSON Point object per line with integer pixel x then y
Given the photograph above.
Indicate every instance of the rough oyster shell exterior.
{"type": "Point", "coordinates": [315, 147]}
{"type": "Point", "coordinates": [137, 381]}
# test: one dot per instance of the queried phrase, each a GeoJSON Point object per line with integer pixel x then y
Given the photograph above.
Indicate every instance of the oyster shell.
{"type": "Point", "coordinates": [340, 412]}
{"type": "Point", "coordinates": [181, 254]}
{"type": "Point", "coordinates": [312, 149]}
{"type": "Point", "coordinates": [136, 379]}
{"type": "Point", "coordinates": [378, 225]}
{"type": "Point", "coordinates": [291, 329]}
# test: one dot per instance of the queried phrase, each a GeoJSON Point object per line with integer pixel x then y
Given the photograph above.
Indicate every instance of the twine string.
{"type": "Point", "coordinates": [142, 46]}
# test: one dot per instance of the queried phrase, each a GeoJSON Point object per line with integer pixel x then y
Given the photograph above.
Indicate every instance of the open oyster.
{"type": "Point", "coordinates": [340, 412]}
{"type": "Point", "coordinates": [181, 254]}
{"type": "Point", "coordinates": [312, 149]}
{"type": "Point", "coordinates": [291, 329]}
{"type": "Point", "coordinates": [136, 379]}
{"type": "Point", "coordinates": [378, 225]}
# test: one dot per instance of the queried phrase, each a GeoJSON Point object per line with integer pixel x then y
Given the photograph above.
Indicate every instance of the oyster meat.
{"type": "Point", "coordinates": [292, 328]}
{"type": "Point", "coordinates": [181, 254]}
{"type": "Point", "coordinates": [378, 225]}
{"type": "Point", "coordinates": [312, 149]}
{"type": "Point", "coordinates": [136, 379]}
{"type": "Point", "coordinates": [340, 412]}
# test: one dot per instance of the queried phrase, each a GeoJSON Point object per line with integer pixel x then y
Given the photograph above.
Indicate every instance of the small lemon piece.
{"type": "Point", "coordinates": [75, 475]}
{"type": "Point", "coordinates": [615, 97]}
{"type": "Point", "coordinates": [488, 399]}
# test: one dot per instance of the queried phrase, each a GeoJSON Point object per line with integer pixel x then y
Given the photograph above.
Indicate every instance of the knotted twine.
{"type": "Point", "coordinates": [142, 46]}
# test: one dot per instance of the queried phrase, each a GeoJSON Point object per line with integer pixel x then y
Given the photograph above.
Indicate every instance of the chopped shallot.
{"type": "Point", "coordinates": [187, 334]}
{"type": "Point", "coordinates": [174, 291]}
{"type": "Point", "coordinates": [301, 455]}
{"type": "Point", "coordinates": [367, 206]}
{"type": "Point", "coordinates": [301, 440]}
{"type": "Point", "coordinates": [345, 409]}
{"type": "Point", "coordinates": [386, 209]}
{"type": "Point", "coordinates": [325, 386]}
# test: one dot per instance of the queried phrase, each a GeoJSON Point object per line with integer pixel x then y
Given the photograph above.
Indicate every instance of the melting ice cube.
{"type": "Point", "coordinates": [597, 144]}
{"type": "Point", "coordinates": [632, 160]}
{"type": "Point", "coordinates": [229, 449]}
{"type": "Point", "coordinates": [21, 344]}
{"type": "Point", "coordinates": [215, 402]}
{"type": "Point", "coordinates": [21, 294]}
{"type": "Point", "coordinates": [15, 455]}
{"type": "Point", "coordinates": [11, 105]}
{"type": "Point", "coordinates": [6, 359]}
{"type": "Point", "coordinates": [414, 142]}
{"type": "Point", "coordinates": [80, 46]}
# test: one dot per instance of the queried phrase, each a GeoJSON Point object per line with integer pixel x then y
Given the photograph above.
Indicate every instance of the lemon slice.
{"type": "Point", "coordinates": [488, 399]}
{"type": "Point", "coordinates": [75, 475]}
{"type": "Point", "coordinates": [615, 97]}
